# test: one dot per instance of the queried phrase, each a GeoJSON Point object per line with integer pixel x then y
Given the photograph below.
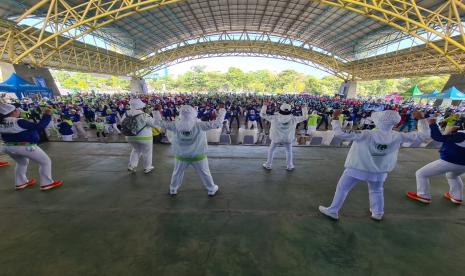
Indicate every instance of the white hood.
{"type": "Point", "coordinates": [187, 118]}
{"type": "Point", "coordinates": [284, 118]}
{"type": "Point", "coordinates": [385, 121]}
{"type": "Point", "coordinates": [136, 104]}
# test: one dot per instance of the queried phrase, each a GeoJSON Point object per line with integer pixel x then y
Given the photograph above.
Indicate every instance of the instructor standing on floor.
{"type": "Point", "coordinates": [137, 127]}
{"type": "Point", "coordinates": [282, 131]}
{"type": "Point", "coordinates": [190, 146]}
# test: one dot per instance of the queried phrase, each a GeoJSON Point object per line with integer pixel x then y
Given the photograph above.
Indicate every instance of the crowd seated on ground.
{"type": "Point", "coordinates": [98, 117]}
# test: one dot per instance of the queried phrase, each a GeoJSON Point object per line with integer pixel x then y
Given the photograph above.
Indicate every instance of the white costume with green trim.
{"type": "Point", "coordinates": [372, 156]}
{"type": "Point", "coordinates": [189, 143]}
{"type": "Point", "coordinates": [282, 131]}
{"type": "Point", "coordinates": [142, 143]}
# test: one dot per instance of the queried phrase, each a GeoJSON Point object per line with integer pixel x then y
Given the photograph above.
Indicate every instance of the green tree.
{"type": "Point", "coordinates": [330, 85]}
{"type": "Point", "coordinates": [260, 81]}
{"type": "Point", "coordinates": [236, 79]}
{"type": "Point", "coordinates": [313, 85]}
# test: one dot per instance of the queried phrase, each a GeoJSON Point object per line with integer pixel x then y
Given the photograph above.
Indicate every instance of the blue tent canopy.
{"type": "Point", "coordinates": [22, 88]}
{"type": "Point", "coordinates": [452, 94]}
{"type": "Point", "coordinates": [434, 94]}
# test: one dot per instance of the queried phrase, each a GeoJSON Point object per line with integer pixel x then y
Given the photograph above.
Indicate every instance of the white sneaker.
{"type": "Point", "coordinates": [173, 192]}
{"type": "Point", "coordinates": [377, 217]}
{"type": "Point", "coordinates": [290, 168]}
{"type": "Point", "coordinates": [213, 192]}
{"type": "Point", "coordinates": [148, 170]}
{"type": "Point", "coordinates": [131, 169]}
{"type": "Point", "coordinates": [266, 166]}
{"type": "Point", "coordinates": [324, 211]}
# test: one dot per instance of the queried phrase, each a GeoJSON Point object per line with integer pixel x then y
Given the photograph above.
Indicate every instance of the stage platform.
{"type": "Point", "coordinates": [106, 221]}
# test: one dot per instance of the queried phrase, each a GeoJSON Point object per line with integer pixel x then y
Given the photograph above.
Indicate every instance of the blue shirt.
{"type": "Point", "coordinates": [227, 116]}
{"type": "Point", "coordinates": [251, 117]}
{"type": "Point", "coordinates": [450, 151]}
{"type": "Point", "coordinates": [65, 129]}
{"type": "Point", "coordinates": [76, 118]}
{"type": "Point", "coordinates": [111, 119]}
{"type": "Point", "coordinates": [31, 133]}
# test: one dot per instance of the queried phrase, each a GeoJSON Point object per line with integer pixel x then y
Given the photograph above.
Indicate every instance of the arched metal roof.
{"type": "Point", "coordinates": [349, 31]}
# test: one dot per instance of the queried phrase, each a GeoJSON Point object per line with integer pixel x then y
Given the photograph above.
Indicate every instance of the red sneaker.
{"type": "Point", "coordinates": [4, 164]}
{"type": "Point", "coordinates": [50, 186]}
{"type": "Point", "coordinates": [414, 196]}
{"type": "Point", "coordinates": [449, 197]}
{"type": "Point", "coordinates": [31, 182]}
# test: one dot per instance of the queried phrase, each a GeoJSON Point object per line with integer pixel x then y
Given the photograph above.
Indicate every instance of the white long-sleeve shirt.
{"type": "Point", "coordinates": [190, 144]}
{"type": "Point", "coordinates": [283, 131]}
{"type": "Point", "coordinates": [375, 151]}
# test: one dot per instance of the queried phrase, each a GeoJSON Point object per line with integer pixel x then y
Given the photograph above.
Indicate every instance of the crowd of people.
{"type": "Point", "coordinates": [85, 115]}
{"type": "Point", "coordinates": [376, 127]}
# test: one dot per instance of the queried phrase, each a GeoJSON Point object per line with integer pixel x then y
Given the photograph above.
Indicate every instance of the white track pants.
{"type": "Point", "coordinates": [441, 167]}
{"type": "Point", "coordinates": [67, 138]}
{"type": "Point", "coordinates": [202, 169]}
{"type": "Point", "coordinates": [49, 128]}
{"type": "Point", "coordinates": [289, 156]}
{"type": "Point", "coordinates": [251, 124]}
{"type": "Point", "coordinates": [311, 130]}
{"type": "Point", "coordinates": [140, 148]}
{"type": "Point", "coordinates": [345, 185]}
{"type": "Point", "coordinates": [79, 129]}
{"type": "Point", "coordinates": [226, 125]}
{"type": "Point", "coordinates": [22, 154]}
{"type": "Point", "coordinates": [111, 128]}
{"type": "Point", "coordinates": [348, 124]}
{"type": "Point", "coordinates": [115, 127]}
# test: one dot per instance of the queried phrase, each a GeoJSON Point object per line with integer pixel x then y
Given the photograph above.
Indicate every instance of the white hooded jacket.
{"type": "Point", "coordinates": [375, 151]}
{"type": "Point", "coordinates": [282, 129]}
{"type": "Point", "coordinates": [146, 132]}
{"type": "Point", "coordinates": [190, 144]}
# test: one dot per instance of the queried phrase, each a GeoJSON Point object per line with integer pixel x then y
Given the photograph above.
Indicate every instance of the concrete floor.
{"type": "Point", "coordinates": [105, 221]}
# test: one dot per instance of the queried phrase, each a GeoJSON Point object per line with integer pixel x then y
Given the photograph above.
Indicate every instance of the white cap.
{"type": "Point", "coordinates": [136, 104]}
{"type": "Point", "coordinates": [6, 109]}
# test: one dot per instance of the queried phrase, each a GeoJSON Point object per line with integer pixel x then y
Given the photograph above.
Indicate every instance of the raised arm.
{"type": "Point", "coordinates": [46, 118]}
{"type": "Point", "coordinates": [438, 136]}
{"type": "Point", "coordinates": [263, 113]}
{"type": "Point", "coordinates": [157, 121]}
{"type": "Point", "coordinates": [423, 132]}
{"type": "Point", "coordinates": [304, 115]}
{"type": "Point", "coordinates": [218, 123]}
{"type": "Point", "coordinates": [338, 132]}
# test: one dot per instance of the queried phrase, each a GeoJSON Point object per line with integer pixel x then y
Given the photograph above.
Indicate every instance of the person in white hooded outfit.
{"type": "Point", "coordinates": [372, 156]}
{"type": "Point", "coordinates": [142, 141]}
{"type": "Point", "coordinates": [282, 131]}
{"type": "Point", "coordinates": [189, 143]}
